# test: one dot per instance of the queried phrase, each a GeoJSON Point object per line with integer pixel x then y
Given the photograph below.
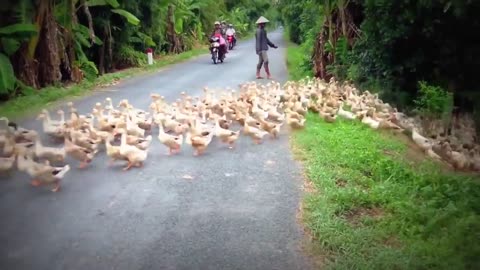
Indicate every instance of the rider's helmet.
{"type": "Point", "coordinates": [230, 25]}
{"type": "Point", "coordinates": [217, 23]}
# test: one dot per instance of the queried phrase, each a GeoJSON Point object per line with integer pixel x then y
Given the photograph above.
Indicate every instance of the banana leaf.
{"type": "Point", "coordinates": [127, 15]}
{"type": "Point", "coordinates": [19, 29]}
{"type": "Point", "coordinates": [10, 45]}
{"type": "Point", "coordinates": [179, 25]}
{"type": "Point", "coordinates": [113, 3]}
{"type": "Point", "coordinates": [7, 76]}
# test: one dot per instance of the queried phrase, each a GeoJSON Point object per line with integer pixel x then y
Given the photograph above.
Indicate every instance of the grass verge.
{"type": "Point", "coordinates": [33, 101]}
{"type": "Point", "coordinates": [378, 206]}
{"type": "Point", "coordinates": [295, 60]}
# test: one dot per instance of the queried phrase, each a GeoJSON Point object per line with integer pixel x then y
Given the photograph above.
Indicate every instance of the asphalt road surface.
{"type": "Point", "coordinates": [238, 211]}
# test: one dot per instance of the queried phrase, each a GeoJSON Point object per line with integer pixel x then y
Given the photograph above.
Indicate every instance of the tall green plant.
{"type": "Point", "coordinates": [11, 37]}
{"type": "Point", "coordinates": [434, 103]}
{"type": "Point", "coordinates": [97, 36]}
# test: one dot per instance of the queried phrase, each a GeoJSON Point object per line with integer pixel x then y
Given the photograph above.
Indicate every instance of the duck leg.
{"type": "Point", "coordinates": [57, 186]}
{"type": "Point", "coordinates": [201, 151]}
{"type": "Point", "coordinates": [129, 166]}
{"type": "Point", "coordinates": [174, 150]}
{"type": "Point", "coordinates": [231, 145]}
{"type": "Point", "coordinates": [82, 165]}
{"type": "Point", "coordinates": [35, 183]}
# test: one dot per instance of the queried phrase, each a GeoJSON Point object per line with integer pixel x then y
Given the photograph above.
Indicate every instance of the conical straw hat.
{"type": "Point", "coordinates": [262, 20]}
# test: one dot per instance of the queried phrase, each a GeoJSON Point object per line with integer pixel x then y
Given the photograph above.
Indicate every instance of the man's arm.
{"type": "Point", "coordinates": [258, 41]}
{"type": "Point", "coordinates": [269, 42]}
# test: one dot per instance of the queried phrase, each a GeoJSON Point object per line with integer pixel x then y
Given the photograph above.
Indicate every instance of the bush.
{"type": "Point", "coordinates": [353, 73]}
{"type": "Point", "coordinates": [128, 57]}
{"type": "Point", "coordinates": [435, 105]}
{"type": "Point", "coordinates": [433, 101]}
{"type": "Point", "coordinates": [420, 40]}
{"type": "Point", "coordinates": [89, 69]}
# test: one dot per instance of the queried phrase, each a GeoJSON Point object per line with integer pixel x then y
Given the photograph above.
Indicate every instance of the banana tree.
{"type": "Point", "coordinates": [105, 11]}
{"type": "Point", "coordinates": [238, 17]}
{"type": "Point", "coordinates": [342, 6]}
{"type": "Point", "coordinates": [328, 9]}
{"type": "Point", "coordinates": [11, 38]}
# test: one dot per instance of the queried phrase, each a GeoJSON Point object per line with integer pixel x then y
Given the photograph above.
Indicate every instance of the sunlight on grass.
{"type": "Point", "coordinates": [35, 100]}
{"type": "Point", "coordinates": [376, 209]}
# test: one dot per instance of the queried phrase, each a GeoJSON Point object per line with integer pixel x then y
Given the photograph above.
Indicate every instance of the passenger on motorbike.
{"type": "Point", "coordinates": [231, 32]}
{"type": "Point", "coordinates": [217, 32]}
{"type": "Point", "coordinates": [224, 28]}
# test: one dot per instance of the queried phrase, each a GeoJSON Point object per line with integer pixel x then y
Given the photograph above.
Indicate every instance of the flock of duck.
{"type": "Point", "coordinates": [125, 133]}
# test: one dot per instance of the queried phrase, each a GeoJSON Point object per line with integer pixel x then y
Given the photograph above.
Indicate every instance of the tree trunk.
{"type": "Point", "coordinates": [101, 60]}
{"type": "Point", "coordinates": [26, 68]}
{"type": "Point", "coordinates": [68, 68]}
{"type": "Point", "coordinates": [172, 37]}
{"type": "Point", "coordinates": [86, 10]}
{"type": "Point", "coordinates": [319, 56]}
{"type": "Point", "coordinates": [338, 23]}
{"type": "Point", "coordinates": [47, 50]}
{"type": "Point", "coordinates": [109, 48]}
{"type": "Point", "coordinates": [342, 6]}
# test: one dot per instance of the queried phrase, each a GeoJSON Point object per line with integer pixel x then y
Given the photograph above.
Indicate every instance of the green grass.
{"type": "Point", "coordinates": [378, 205]}
{"type": "Point", "coordinates": [295, 60]}
{"type": "Point", "coordinates": [33, 101]}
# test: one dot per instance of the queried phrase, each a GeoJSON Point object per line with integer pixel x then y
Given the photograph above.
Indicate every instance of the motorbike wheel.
{"type": "Point", "coordinates": [215, 57]}
{"type": "Point", "coordinates": [230, 46]}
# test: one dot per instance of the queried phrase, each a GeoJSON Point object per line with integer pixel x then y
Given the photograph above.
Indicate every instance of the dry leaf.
{"type": "Point", "coordinates": [187, 176]}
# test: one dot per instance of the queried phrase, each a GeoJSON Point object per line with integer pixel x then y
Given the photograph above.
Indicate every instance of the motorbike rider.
{"type": "Point", "coordinates": [217, 32]}
{"type": "Point", "coordinates": [224, 28]}
{"type": "Point", "coordinates": [231, 32]}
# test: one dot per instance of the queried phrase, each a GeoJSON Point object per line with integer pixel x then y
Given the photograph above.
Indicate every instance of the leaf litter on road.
{"type": "Point", "coordinates": [187, 177]}
{"type": "Point", "coordinates": [269, 162]}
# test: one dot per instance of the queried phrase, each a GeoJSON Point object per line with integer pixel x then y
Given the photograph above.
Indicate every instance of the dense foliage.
{"type": "Point", "coordinates": [54, 41]}
{"type": "Point", "coordinates": [389, 46]}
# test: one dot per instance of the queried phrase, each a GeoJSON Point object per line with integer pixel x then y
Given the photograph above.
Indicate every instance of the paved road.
{"type": "Point", "coordinates": [238, 211]}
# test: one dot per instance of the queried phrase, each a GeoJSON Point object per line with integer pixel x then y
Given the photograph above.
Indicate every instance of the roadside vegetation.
{"type": "Point", "coordinates": [296, 61]}
{"type": "Point", "coordinates": [374, 201]}
{"type": "Point", "coordinates": [378, 204]}
{"type": "Point", "coordinates": [389, 47]}
{"type": "Point", "coordinates": [32, 100]}
{"type": "Point", "coordinates": [57, 48]}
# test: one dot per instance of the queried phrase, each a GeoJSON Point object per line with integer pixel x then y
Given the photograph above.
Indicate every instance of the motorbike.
{"type": "Point", "coordinates": [216, 51]}
{"type": "Point", "coordinates": [231, 42]}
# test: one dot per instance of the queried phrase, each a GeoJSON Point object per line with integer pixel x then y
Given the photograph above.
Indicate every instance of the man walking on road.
{"type": "Point", "coordinates": [262, 43]}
